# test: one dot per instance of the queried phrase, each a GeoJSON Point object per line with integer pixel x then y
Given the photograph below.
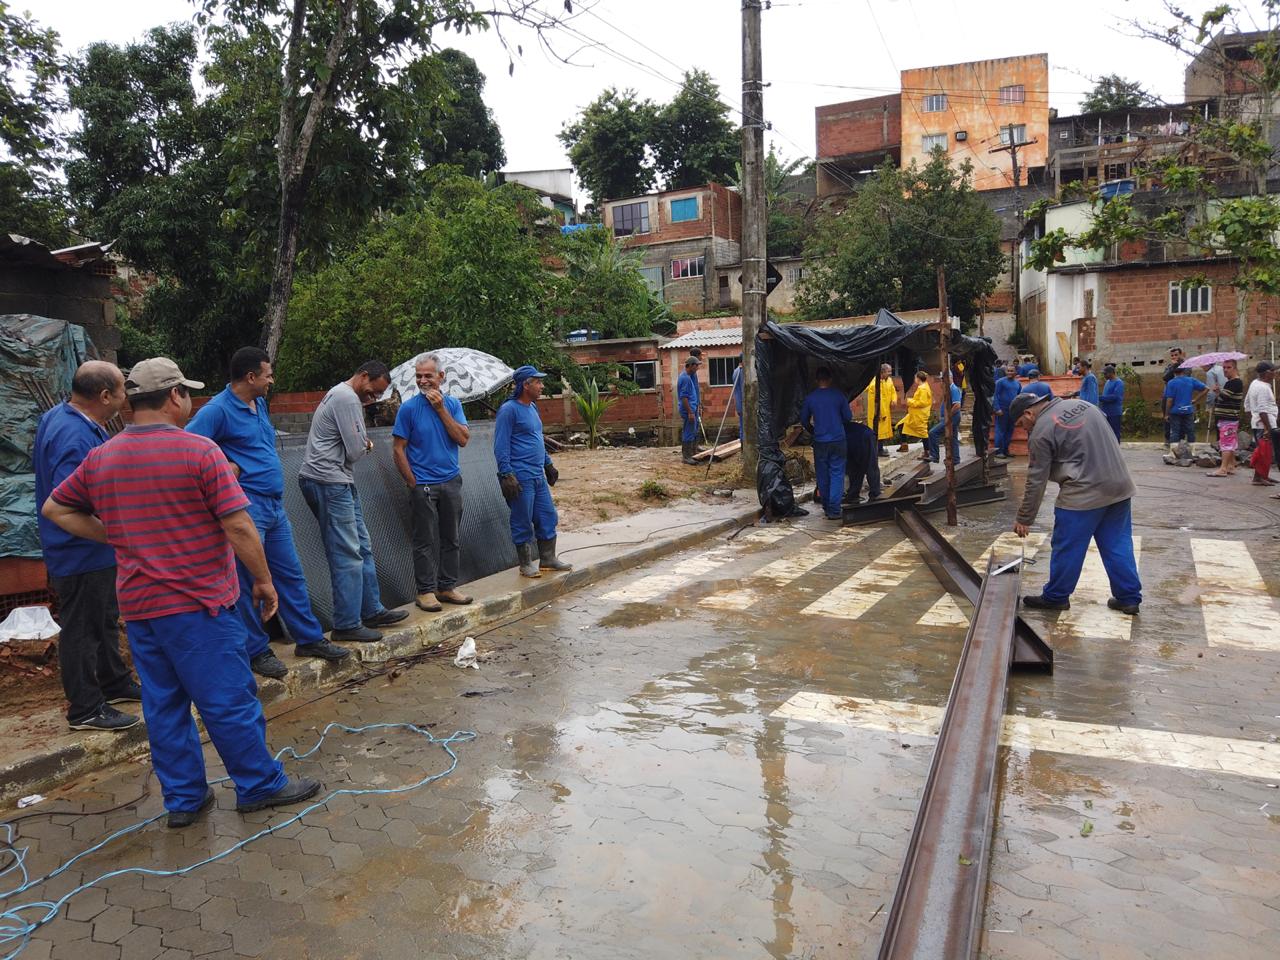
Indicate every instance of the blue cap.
{"type": "Point", "coordinates": [526, 372]}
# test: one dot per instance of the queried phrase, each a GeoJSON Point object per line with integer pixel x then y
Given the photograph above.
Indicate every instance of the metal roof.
{"type": "Point", "coordinates": [705, 338]}
{"type": "Point", "coordinates": [18, 249]}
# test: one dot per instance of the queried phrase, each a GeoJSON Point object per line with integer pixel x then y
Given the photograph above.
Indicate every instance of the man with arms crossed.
{"type": "Point", "coordinates": [170, 505]}
{"type": "Point", "coordinates": [429, 430]}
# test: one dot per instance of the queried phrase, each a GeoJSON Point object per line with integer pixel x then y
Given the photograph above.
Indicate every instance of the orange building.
{"type": "Point", "coordinates": [968, 108]}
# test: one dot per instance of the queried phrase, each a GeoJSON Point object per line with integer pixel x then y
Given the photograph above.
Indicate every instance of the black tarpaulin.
{"type": "Point", "coordinates": [788, 354]}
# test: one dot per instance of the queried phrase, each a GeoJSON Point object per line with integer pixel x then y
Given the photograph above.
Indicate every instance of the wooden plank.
{"type": "Point", "coordinates": [722, 452]}
{"type": "Point", "coordinates": [1065, 346]}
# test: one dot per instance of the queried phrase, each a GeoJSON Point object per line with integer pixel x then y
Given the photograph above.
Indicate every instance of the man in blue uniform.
{"type": "Point", "coordinates": [237, 421]}
{"type": "Point", "coordinates": [1088, 383]}
{"type": "Point", "coordinates": [689, 400]}
{"type": "Point", "coordinates": [526, 475]}
{"type": "Point", "coordinates": [824, 413]}
{"type": "Point", "coordinates": [1007, 387]}
{"type": "Point", "coordinates": [1179, 406]}
{"type": "Point", "coordinates": [429, 430]}
{"type": "Point", "coordinates": [862, 461]}
{"type": "Point", "coordinates": [737, 394]}
{"type": "Point", "coordinates": [1037, 387]}
{"type": "Point", "coordinates": [1111, 402]}
{"type": "Point", "coordinates": [933, 442]}
{"type": "Point", "coordinates": [81, 572]}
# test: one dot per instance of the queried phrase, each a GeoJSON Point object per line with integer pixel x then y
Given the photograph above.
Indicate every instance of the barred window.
{"type": "Point", "coordinates": [688, 267]}
{"type": "Point", "coordinates": [1190, 299]}
{"type": "Point", "coordinates": [1014, 93]}
{"type": "Point", "coordinates": [935, 103]}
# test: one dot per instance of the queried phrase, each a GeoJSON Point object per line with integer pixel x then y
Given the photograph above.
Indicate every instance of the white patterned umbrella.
{"type": "Point", "coordinates": [468, 374]}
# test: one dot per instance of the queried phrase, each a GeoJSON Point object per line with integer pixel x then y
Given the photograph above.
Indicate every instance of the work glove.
{"type": "Point", "coordinates": [510, 486]}
{"type": "Point", "coordinates": [552, 474]}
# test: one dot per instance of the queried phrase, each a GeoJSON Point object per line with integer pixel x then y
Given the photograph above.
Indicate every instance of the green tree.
{"type": "Point", "coordinates": [787, 226]}
{"type": "Point", "coordinates": [464, 270]}
{"type": "Point", "coordinates": [1114, 92]}
{"type": "Point", "coordinates": [693, 140]}
{"type": "Point", "coordinates": [460, 128]}
{"type": "Point", "coordinates": [607, 144]}
{"type": "Point", "coordinates": [30, 71]}
{"type": "Point", "coordinates": [603, 288]}
{"type": "Point", "coordinates": [883, 250]}
{"type": "Point", "coordinates": [1189, 211]}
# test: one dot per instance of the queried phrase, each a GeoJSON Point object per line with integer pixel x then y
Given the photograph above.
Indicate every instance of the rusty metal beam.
{"type": "Point", "coordinates": [1030, 652]}
{"type": "Point", "coordinates": [937, 909]}
{"type": "Point", "coordinates": [874, 511]}
{"type": "Point", "coordinates": [968, 473]}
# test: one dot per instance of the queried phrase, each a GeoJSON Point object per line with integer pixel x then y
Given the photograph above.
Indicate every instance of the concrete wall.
{"type": "Point", "coordinates": [80, 296]}
{"type": "Point", "coordinates": [973, 105]}
{"type": "Point", "coordinates": [781, 301]}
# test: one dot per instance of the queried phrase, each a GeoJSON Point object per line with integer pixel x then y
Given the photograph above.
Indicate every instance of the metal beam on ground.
{"type": "Point", "coordinates": [1030, 652]}
{"type": "Point", "coordinates": [967, 473]}
{"type": "Point", "coordinates": [874, 511]}
{"type": "Point", "coordinates": [937, 909]}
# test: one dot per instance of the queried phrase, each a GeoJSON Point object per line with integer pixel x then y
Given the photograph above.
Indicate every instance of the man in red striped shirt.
{"type": "Point", "coordinates": [170, 505]}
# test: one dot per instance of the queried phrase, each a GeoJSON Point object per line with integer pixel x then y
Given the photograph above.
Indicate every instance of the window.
{"type": "Point", "coordinates": [644, 373]}
{"type": "Point", "coordinates": [652, 278]}
{"type": "Point", "coordinates": [629, 218]}
{"type": "Point", "coordinates": [684, 210]}
{"type": "Point", "coordinates": [935, 103]}
{"type": "Point", "coordinates": [933, 141]}
{"type": "Point", "coordinates": [794, 274]}
{"type": "Point", "coordinates": [1014, 93]}
{"type": "Point", "coordinates": [1189, 299]}
{"type": "Point", "coordinates": [1016, 131]}
{"type": "Point", "coordinates": [688, 267]}
{"type": "Point", "coordinates": [720, 372]}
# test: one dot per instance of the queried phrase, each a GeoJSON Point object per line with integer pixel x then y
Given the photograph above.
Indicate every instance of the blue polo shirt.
{"type": "Point", "coordinates": [1039, 388]}
{"type": "Point", "coordinates": [517, 440]}
{"type": "Point", "coordinates": [63, 438]}
{"type": "Point", "coordinates": [1089, 388]}
{"type": "Point", "coordinates": [957, 396]}
{"type": "Point", "coordinates": [247, 438]}
{"type": "Point", "coordinates": [433, 454]}
{"type": "Point", "coordinates": [687, 386]}
{"type": "Point", "coordinates": [1006, 389]}
{"type": "Point", "coordinates": [824, 414]}
{"type": "Point", "coordinates": [1180, 391]}
{"type": "Point", "coordinates": [1112, 400]}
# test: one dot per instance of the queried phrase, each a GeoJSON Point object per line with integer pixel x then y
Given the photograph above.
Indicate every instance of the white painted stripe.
{"type": "Point", "coordinates": [851, 599]}
{"type": "Point", "coordinates": [950, 612]}
{"type": "Point", "coordinates": [646, 588]}
{"type": "Point", "coordinates": [732, 599]}
{"type": "Point", "coordinates": [1089, 615]}
{"type": "Point", "coordinates": [783, 571]}
{"type": "Point", "coordinates": [770, 534]}
{"type": "Point", "coordinates": [1187, 751]}
{"type": "Point", "coordinates": [1238, 609]}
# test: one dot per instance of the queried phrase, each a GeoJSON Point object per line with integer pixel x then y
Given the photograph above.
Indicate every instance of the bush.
{"type": "Point", "coordinates": [654, 490]}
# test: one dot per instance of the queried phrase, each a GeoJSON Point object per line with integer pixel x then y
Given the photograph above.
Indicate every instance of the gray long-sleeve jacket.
{"type": "Point", "coordinates": [337, 438]}
{"type": "Point", "coordinates": [1073, 445]}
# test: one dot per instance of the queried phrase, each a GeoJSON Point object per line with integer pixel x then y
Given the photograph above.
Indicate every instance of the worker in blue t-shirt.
{"type": "Point", "coordinates": [933, 443]}
{"type": "Point", "coordinates": [1088, 383]}
{"type": "Point", "coordinates": [526, 474]}
{"type": "Point", "coordinates": [824, 413]}
{"type": "Point", "coordinates": [1007, 387]}
{"type": "Point", "coordinates": [1025, 368]}
{"type": "Point", "coordinates": [1037, 386]}
{"type": "Point", "coordinates": [1179, 406]}
{"type": "Point", "coordinates": [1111, 402]}
{"type": "Point", "coordinates": [689, 400]}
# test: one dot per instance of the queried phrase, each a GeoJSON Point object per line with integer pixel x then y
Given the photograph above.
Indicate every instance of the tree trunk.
{"type": "Point", "coordinates": [1242, 318]}
{"type": "Point", "coordinates": [291, 198]}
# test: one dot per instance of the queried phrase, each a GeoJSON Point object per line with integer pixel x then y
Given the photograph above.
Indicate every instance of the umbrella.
{"type": "Point", "coordinates": [1209, 359]}
{"type": "Point", "coordinates": [468, 375]}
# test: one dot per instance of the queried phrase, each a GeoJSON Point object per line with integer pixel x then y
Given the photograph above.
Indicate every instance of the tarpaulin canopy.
{"type": "Point", "coordinates": [787, 355]}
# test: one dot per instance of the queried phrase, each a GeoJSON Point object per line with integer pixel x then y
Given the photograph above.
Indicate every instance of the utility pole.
{"type": "Point", "coordinates": [754, 218]}
{"type": "Point", "coordinates": [1015, 258]}
{"type": "Point", "coordinates": [948, 429]}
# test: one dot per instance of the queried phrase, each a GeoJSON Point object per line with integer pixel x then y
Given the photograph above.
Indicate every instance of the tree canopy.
{"type": "Point", "coordinates": [608, 145]}
{"type": "Point", "coordinates": [1114, 92]}
{"type": "Point", "coordinates": [603, 288]}
{"type": "Point", "coordinates": [883, 249]}
{"type": "Point", "coordinates": [692, 139]}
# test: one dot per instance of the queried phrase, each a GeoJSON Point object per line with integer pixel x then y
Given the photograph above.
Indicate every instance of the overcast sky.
{"type": "Point", "coordinates": [815, 52]}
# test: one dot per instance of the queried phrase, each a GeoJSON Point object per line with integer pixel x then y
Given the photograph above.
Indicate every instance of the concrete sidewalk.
{"type": "Point", "coordinates": [41, 752]}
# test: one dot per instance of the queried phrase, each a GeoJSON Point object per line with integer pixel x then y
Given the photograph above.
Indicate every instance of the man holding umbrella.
{"type": "Point", "coordinates": [526, 474]}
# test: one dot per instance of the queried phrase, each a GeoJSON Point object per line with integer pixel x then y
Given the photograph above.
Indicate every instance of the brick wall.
{"type": "Point", "coordinates": [859, 126]}
{"type": "Point", "coordinates": [719, 215]}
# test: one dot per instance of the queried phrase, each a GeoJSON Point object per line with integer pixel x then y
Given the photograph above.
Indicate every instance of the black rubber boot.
{"type": "Point", "coordinates": [528, 559]}
{"type": "Point", "coordinates": [547, 559]}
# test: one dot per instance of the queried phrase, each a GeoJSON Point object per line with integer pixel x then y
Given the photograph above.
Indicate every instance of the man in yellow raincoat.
{"type": "Point", "coordinates": [882, 423]}
{"type": "Point", "coordinates": [915, 425]}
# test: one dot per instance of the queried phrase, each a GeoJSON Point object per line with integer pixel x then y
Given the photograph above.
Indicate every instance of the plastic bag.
{"type": "Point", "coordinates": [466, 656]}
{"type": "Point", "coordinates": [28, 623]}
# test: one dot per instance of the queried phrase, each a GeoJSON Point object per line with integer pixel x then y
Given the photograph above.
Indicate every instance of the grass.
{"type": "Point", "coordinates": [654, 490]}
{"type": "Point", "coordinates": [615, 498]}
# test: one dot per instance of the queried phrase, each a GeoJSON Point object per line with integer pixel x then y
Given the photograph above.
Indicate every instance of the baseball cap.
{"type": "Point", "coordinates": [1264, 365]}
{"type": "Point", "coordinates": [692, 359]}
{"type": "Point", "coordinates": [528, 372]}
{"type": "Point", "coordinates": [1022, 403]}
{"type": "Point", "coordinates": [158, 373]}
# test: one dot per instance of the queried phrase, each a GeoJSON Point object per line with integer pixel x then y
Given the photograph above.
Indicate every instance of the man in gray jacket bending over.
{"type": "Point", "coordinates": [1071, 443]}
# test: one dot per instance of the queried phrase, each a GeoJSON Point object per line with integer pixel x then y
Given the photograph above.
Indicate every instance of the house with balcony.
{"type": "Point", "coordinates": [683, 237]}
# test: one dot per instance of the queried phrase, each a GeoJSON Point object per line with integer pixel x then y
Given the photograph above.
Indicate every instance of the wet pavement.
{"type": "Point", "coordinates": [720, 755]}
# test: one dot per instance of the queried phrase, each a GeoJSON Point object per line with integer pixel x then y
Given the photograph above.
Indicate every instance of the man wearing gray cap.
{"type": "Point", "coordinates": [169, 503]}
{"type": "Point", "coordinates": [1070, 442]}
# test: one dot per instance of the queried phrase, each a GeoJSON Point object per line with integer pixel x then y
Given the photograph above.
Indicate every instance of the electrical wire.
{"type": "Point", "coordinates": [15, 928]}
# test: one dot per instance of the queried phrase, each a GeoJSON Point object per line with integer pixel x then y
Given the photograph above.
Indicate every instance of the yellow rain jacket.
{"type": "Point", "coordinates": [888, 397]}
{"type": "Point", "coordinates": [916, 422]}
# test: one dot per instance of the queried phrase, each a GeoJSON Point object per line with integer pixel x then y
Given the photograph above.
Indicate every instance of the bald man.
{"type": "Point", "coordinates": [81, 572]}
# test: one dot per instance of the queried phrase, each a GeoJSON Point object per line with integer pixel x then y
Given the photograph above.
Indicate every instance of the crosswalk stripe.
{"type": "Point", "coordinates": [1089, 616]}
{"type": "Point", "coordinates": [783, 571]}
{"type": "Point", "coordinates": [1238, 609]}
{"type": "Point", "coordinates": [855, 596]}
{"type": "Point", "coordinates": [1250, 758]}
{"type": "Point", "coordinates": [948, 612]}
{"type": "Point", "coordinates": [645, 588]}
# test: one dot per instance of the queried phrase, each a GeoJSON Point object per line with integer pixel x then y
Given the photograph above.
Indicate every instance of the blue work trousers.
{"type": "Point", "coordinates": [1114, 420]}
{"type": "Point", "coordinates": [198, 658]}
{"type": "Point", "coordinates": [353, 578]}
{"type": "Point", "coordinates": [933, 443]}
{"type": "Point", "coordinates": [286, 573]}
{"type": "Point", "coordinates": [532, 511]}
{"type": "Point", "coordinates": [1112, 528]}
{"type": "Point", "coordinates": [1182, 426]}
{"type": "Point", "coordinates": [689, 429]}
{"type": "Point", "coordinates": [828, 464]}
{"type": "Point", "coordinates": [1004, 431]}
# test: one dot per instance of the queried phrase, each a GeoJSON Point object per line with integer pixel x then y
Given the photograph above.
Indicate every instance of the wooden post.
{"type": "Point", "coordinates": [944, 337]}
{"type": "Point", "coordinates": [754, 217]}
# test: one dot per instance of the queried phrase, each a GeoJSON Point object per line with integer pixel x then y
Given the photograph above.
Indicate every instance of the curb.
{"type": "Point", "coordinates": [309, 676]}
